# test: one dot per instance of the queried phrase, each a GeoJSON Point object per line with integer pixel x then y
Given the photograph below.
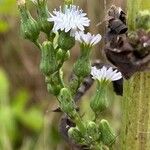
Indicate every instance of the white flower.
{"type": "Point", "coordinates": [71, 19]}
{"type": "Point", "coordinates": [88, 38]}
{"type": "Point", "coordinates": [105, 74]}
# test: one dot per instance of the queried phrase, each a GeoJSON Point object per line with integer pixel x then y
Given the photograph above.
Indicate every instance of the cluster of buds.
{"type": "Point", "coordinates": [63, 28]}
{"type": "Point", "coordinates": [101, 133]}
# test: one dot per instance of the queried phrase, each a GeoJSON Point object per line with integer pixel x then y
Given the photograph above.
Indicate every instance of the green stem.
{"type": "Point", "coordinates": [97, 146]}
{"type": "Point", "coordinates": [135, 132]}
{"type": "Point", "coordinates": [136, 113]}
{"type": "Point", "coordinates": [68, 2]}
{"type": "Point", "coordinates": [133, 7]}
{"type": "Point", "coordinates": [79, 122]}
{"type": "Point", "coordinates": [38, 44]}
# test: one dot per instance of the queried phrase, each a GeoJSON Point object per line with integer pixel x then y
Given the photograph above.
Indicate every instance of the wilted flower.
{"type": "Point", "coordinates": [70, 19]}
{"type": "Point", "coordinates": [87, 38]}
{"type": "Point", "coordinates": [105, 74]}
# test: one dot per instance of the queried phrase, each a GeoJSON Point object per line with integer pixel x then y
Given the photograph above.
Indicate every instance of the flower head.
{"type": "Point", "coordinates": [105, 74]}
{"type": "Point", "coordinates": [70, 19]}
{"type": "Point", "coordinates": [88, 38]}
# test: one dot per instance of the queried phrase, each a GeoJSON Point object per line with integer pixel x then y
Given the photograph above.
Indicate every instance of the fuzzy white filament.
{"type": "Point", "coordinates": [70, 19]}
{"type": "Point", "coordinates": [88, 38]}
{"type": "Point", "coordinates": [105, 74]}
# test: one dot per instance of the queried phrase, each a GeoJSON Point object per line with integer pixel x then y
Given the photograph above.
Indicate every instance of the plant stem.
{"type": "Point", "coordinates": [133, 7]}
{"type": "Point", "coordinates": [136, 113]}
{"type": "Point", "coordinates": [135, 132]}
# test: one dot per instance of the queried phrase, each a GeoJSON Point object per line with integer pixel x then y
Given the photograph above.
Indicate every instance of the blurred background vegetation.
{"type": "Point", "coordinates": [26, 118]}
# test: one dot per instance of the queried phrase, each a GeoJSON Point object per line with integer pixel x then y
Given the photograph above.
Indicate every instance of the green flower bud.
{"type": "Point", "coordinates": [55, 83]}
{"type": "Point", "coordinates": [100, 101]}
{"type": "Point", "coordinates": [29, 27]}
{"type": "Point", "coordinates": [92, 130]}
{"type": "Point", "coordinates": [53, 89]}
{"type": "Point", "coordinates": [48, 63]}
{"type": "Point", "coordinates": [75, 134]}
{"type": "Point", "coordinates": [43, 14]}
{"type": "Point", "coordinates": [108, 136]}
{"type": "Point", "coordinates": [143, 20]}
{"type": "Point", "coordinates": [65, 41]}
{"type": "Point", "coordinates": [66, 102]}
{"type": "Point", "coordinates": [74, 85]}
{"type": "Point", "coordinates": [82, 67]}
{"type": "Point", "coordinates": [59, 54]}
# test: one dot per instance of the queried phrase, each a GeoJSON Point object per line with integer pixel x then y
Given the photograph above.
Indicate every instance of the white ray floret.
{"type": "Point", "coordinates": [87, 38]}
{"type": "Point", "coordinates": [105, 74]}
{"type": "Point", "coordinates": [71, 18]}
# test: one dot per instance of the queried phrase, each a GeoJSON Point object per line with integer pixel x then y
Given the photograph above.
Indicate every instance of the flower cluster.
{"type": "Point", "coordinates": [72, 19]}
{"type": "Point", "coordinates": [69, 19]}
{"type": "Point", "coordinates": [105, 74]}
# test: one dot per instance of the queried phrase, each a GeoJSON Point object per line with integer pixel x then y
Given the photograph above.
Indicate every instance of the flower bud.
{"type": "Point", "coordinates": [66, 102]}
{"type": "Point", "coordinates": [48, 63]}
{"type": "Point", "coordinates": [108, 136]}
{"type": "Point", "coordinates": [55, 83]}
{"type": "Point", "coordinates": [75, 134]}
{"type": "Point", "coordinates": [65, 41]}
{"type": "Point", "coordinates": [74, 85]}
{"type": "Point", "coordinates": [82, 67]}
{"type": "Point", "coordinates": [100, 101]}
{"type": "Point", "coordinates": [59, 54]}
{"type": "Point", "coordinates": [53, 89]}
{"type": "Point", "coordinates": [43, 14]}
{"type": "Point", "coordinates": [93, 131]}
{"type": "Point", "coordinates": [29, 27]}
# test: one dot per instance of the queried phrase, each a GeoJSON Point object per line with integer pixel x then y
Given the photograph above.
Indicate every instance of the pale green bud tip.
{"type": "Point", "coordinates": [91, 127]}
{"type": "Point", "coordinates": [64, 91]}
{"type": "Point", "coordinates": [21, 2]}
{"type": "Point", "coordinates": [108, 136]}
{"type": "Point", "coordinates": [92, 130]}
{"type": "Point", "coordinates": [64, 95]}
{"type": "Point", "coordinates": [91, 124]}
{"type": "Point", "coordinates": [75, 134]}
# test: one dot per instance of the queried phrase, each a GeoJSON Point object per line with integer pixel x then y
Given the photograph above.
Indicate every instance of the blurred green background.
{"type": "Point", "coordinates": [26, 118]}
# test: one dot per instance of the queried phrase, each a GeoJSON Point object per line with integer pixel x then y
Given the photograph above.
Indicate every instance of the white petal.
{"type": "Point", "coordinates": [105, 74]}
{"type": "Point", "coordinates": [70, 18]}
